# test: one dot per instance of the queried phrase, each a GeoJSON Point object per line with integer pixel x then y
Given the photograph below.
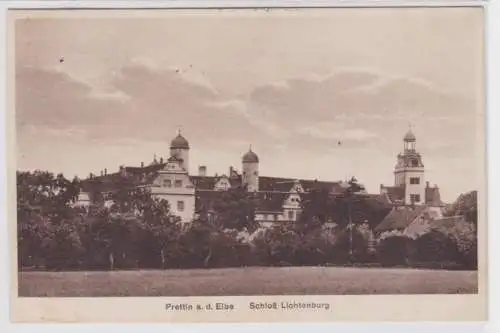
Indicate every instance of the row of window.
{"type": "Point", "coordinates": [292, 215]}
{"type": "Point", "coordinates": [414, 197]}
{"type": "Point", "coordinates": [168, 183]}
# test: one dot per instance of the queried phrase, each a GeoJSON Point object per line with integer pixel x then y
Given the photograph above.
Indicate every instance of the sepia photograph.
{"type": "Point", "coordinates": [183, 154]}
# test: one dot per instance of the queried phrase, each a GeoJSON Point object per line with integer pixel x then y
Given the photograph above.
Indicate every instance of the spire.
{"type": "Point", "coordinates": [409, 136]}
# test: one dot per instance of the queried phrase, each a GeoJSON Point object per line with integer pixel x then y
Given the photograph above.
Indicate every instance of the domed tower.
{"type": "Point", "coordinates": [409, 171]}
{"type": "Point", "coordinates": [179, 148]}
{"type": "Point", "coordinates": [250, 176]}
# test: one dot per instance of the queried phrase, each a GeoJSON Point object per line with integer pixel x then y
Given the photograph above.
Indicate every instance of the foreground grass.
{"type": "Point", "coordinates": [247, 281]}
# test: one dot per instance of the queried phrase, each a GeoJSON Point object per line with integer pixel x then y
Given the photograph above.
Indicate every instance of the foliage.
{"type": "Point", "coordinates": [393, 249]}
{"type": "Point", "coordinates": [132, 229]}
{"type": "Point", "coordinates": [202, 245]}
{"type": "Point", "coordinates": [434, 246]}
{"type": "Point", "coordinates": [465, 205]}
{"type": "Point", "coordinates": [464, 236]}
{"type": "Point", "coordinates": [235, 209]}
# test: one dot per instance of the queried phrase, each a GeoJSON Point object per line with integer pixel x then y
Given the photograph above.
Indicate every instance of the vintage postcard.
{"type": "Point", "coordinates": [247, 165]}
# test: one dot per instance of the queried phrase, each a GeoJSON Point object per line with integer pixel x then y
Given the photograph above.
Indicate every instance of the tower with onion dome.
{"type": "Point", "coordinates": [409, 171]}
{"type": "Point", "coordinates": [179, 148]}
{"type": "Point", "coordinates": [250, 169]}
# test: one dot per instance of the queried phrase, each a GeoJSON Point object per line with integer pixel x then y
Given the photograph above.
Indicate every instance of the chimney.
{"type": "Point", "coordinates": [231, 171]}
{"type": "Point", "coordinates": [161, 160]}
{"type": "Point", "coordinates": [427, 184]}
{"type": "Point", "coordinates": [142, 164]}
{"type": "Point", "coordinates": [202, 171]}
{"type": "Point", "coordinates": [105, 171]}
{"type": "Point", "coordinates": [102, 173]}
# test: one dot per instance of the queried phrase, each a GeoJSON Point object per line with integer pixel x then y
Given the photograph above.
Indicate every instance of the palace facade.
{"type": "Point", "coordinates": [278, 198]}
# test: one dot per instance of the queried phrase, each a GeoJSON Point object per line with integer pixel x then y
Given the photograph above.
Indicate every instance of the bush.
{"type": "Point", "coordinates": [359, 246]}
{"type": "Point", "coordinates": [394, 250]}
{"type": "Point", "coordinates": [435, 246]}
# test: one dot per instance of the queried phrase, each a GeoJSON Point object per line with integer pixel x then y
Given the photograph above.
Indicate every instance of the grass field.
{"type": "Point", "coordinates": [247, 281]}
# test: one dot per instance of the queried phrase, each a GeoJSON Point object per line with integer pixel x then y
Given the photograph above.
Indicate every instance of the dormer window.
{"type": "Point", "coordinates": [178, 183]}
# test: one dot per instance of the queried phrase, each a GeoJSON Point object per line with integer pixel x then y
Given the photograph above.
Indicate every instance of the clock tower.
{"type": "Point", "coordinates": [409, 172]}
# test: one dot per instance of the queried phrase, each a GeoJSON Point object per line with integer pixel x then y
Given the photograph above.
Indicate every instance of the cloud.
{"type": "Point", "coordinates": [139, 102]}
{"type": "Point", "coordinates": [363, 107]}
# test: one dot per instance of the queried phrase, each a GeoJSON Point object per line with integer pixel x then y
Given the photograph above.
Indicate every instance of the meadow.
{"type": "Point", "coordinates": [247, 281]}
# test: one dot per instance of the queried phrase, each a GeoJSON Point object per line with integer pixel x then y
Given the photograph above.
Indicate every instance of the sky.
{"type": "Point", "coordinates": [100, 90]}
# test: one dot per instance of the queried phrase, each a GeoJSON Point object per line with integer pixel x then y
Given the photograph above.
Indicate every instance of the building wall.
{"type": "Point", "coordinates": [183, 154]}
{"type": "Point", "coordinates": [405, 175]}
{"type": "Point", "coordinates": [250, 176]}
{"type": "Point", "coordinates": [175, 187]}
{"type": "Point", "coordinates": [291, 208]}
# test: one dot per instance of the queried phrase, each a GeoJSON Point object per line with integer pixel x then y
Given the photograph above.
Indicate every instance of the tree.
{"type": "Point", "coordinates": [393, 249]}
{"type": "Point", "coordinates": [234, 209]}
{"type": "Point", "coordinates": [465, 205]}
{"type": "Point", "coordinates": [43, 211]}
{"type": "Point", "coordinates": [464, 235]}
{"type": "Point", "coordinates": [435, 246]}
{"type": "Point", "coordinates": [316, 210]}
{"type": "Point", "coordinates": [161, 227]}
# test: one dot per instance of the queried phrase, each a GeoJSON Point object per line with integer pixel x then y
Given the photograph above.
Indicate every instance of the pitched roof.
{"type": "Point", "coordinates": [266, 201]}
{"type": "Point", "coordinates": [207, 183]}
{"type": "Point", "coordinates": [399, 218]}
{"type": "Point", "coordinates": [446, 223]}
{"type": "Point", "coordinates": [279, 184]}
{"type": "Point", "coordinates": [275, 184]}
{"type": "Point", "coordinates": [271, 201]}
{"type": "Point", "coordinates": [394, 193]}
{"type": "Point", "coordinates": [334, 187]}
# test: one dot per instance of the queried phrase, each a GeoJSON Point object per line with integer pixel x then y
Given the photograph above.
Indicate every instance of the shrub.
{"type": "Point", "coordinates": [435, 246]}
{"type": "Point", "coordinates": [394, 250]}
{"type": "Point", "coordinates": [359, 247]}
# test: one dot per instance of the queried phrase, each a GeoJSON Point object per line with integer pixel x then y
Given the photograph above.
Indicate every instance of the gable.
{"type": "Point", "coordinates": [223, 184]}
{"type": "Point", "coordinates": [399, 218]}
{"type": "Point", "coordinates": [292, 201]}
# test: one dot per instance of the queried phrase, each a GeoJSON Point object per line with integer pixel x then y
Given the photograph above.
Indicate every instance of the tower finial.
{"type": "Point", "coordinates": [179, 130]}
{"type": "Point", "coordinates": [250, 147]}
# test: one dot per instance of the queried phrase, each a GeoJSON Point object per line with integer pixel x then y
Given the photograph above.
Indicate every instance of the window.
{"type": "Point", "coordinates": [180, 206]}
{"type": "Point", "coordinates": [167, 183]}
{"type": "Point", "coordinates": [415, 197]}
{"type": "Point", "coordinates": [414, 163]}
{"type": "Point", "coordinates": [291, 215]}
{"type": "Point", "coordinates": [178, 183]}
{"type": "Point", "coordinates": [414, 180]}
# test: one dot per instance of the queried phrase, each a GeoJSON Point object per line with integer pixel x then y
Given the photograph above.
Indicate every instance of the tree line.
{"type": "Point", "coordinates": [139, 231]}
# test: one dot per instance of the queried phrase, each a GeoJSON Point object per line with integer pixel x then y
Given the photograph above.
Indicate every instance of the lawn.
{"type": "Point", "coordinates": [248, 281]}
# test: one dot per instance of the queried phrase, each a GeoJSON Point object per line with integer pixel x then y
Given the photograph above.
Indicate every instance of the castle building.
{"type": "Point", "coordinates": [416, 205]}
{"type": "Point", "coordinates": [410, 187]}
{"type": "Point", "coordinates": [278, 199]}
